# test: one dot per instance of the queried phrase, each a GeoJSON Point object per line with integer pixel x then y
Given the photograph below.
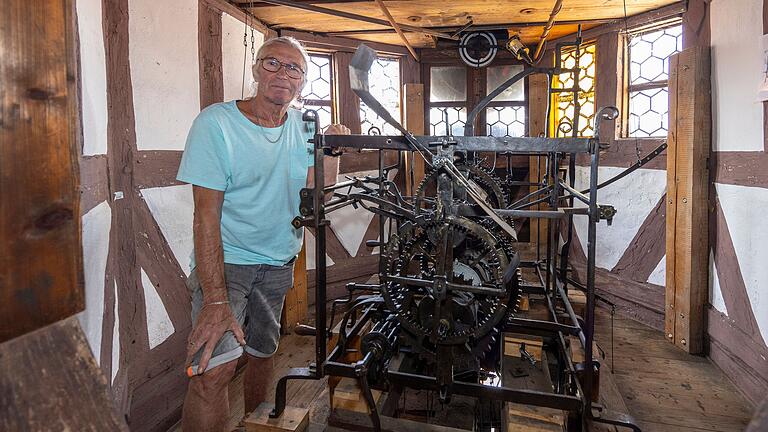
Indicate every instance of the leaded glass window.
{"type": "Point", "coordinates": [648, 93]}
{"type": "Point", "coordinates": [384, 85]}
{"type": "Point", "coordinates": [447, 100]}
{"type": "Point", "coordinates": [317, 93]}
{"type": "Point", "coordinates": [505, 116]}
{"type": "Point", "coordinates": [507, 121]}
{"type": "Point", "coordinates": [447, 120]}
{"type": "Point", "coordinates": [454, 90]}
{"type": "Point", "coordinates": [564, 112]}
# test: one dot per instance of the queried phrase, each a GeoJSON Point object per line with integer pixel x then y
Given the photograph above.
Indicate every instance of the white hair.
{"type": "Point", "coordinates": [283, 40]}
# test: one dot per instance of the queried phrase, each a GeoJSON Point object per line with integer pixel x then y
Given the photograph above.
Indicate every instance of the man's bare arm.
{"type": "Point", "coordinates": [209, 252]}
{"type": "Point", "coordinates": [215, 317]}
{"type": "Point", "coordinates": [330, 164]}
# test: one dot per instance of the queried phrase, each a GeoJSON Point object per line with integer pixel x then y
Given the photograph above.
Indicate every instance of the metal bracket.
{"type": "Point", "coordinates": [307, 201]}
{"type": "Point", "coordinates": [607, 212]}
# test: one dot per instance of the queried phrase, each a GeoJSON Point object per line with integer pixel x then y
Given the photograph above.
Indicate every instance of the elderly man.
{"type": "Point", "coordinates": [247, 161]}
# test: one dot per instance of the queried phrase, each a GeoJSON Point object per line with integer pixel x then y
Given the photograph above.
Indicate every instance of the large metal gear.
{"type": "Point", "coordinates": [487, 182]}
{"type": "Point", "coordinates": [476, 297]}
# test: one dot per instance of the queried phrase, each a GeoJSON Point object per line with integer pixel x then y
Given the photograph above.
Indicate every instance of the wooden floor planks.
{"type": "Point", "coordinates": [664, 388]}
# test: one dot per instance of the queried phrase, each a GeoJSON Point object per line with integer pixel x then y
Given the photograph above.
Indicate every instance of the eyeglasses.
{"type": "Point", "coordinates": [271, 64]}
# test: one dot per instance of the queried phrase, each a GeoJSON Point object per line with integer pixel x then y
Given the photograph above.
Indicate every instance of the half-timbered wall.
{"type": "Point", "coordinates": [147, 69]}
{"type": "Point", "coordinates": [630, 255]}
{"type": "Point", "coordinates": [738, 318]}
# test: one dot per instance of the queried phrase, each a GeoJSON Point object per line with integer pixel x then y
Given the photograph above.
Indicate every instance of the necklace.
{"type": "Point", "coordinates": [282, 128]}
{"type": "Point", "coordinates": [260, 119]}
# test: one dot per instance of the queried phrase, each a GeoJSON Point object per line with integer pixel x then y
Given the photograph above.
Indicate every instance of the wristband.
{"type": "Point", "coordinates": [215, 303]}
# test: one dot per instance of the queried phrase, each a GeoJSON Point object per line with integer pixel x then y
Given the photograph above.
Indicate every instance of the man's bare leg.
{"type": "Point", "coordinates": [258, 378]}
{"type": "Point", "coordinates": [206, 406]}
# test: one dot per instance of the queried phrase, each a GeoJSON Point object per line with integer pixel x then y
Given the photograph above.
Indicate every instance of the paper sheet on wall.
{"type": "Point", "coordinates": [763, 93]}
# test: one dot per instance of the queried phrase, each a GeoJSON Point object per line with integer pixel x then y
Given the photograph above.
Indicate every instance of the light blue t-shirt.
{"type": "Point", "coordinates": [260, 179]}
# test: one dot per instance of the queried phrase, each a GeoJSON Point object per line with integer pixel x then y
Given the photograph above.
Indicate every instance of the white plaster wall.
{"type": "Point", "coordinates": [232, 53]}
{"type": "Point", "coordinates": [159, 325]}
{"type": "Point", "coordinates": [715, 293]}
{"type": "Point", "coordinates": [745, 209]}
{"type": "Point", "coordinates": [95, 229]}
{"type": "Point", "coordinates": [116, 339]}
{"type": "Point", "coordinates": [349, 223]}
{"type": "Point", "coordinates": [309, 244]}
{"type": "Point", "coordinates": [93, 76]}
{"type": "Point", "coordinates": [173, 209]}
{"type": "Point", "coordinates": [634, 197]}
{"type": "Point", "coordinates": [164, 71]}
{"type": "Point", "coordinates": [659, 274]}
{"type": "Point", "coordinates": [737, 65]}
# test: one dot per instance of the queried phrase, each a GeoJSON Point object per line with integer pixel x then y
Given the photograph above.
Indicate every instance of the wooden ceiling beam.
{"type": "Point", "coordinates": [260, 4]}
{"type": "Point", "coordinates": [486, 27]}
{"type": "Point", "coordinates": [342, 14]}
{"type": "Point", "coordinates": [657, 15]}
{"type": "Point", "coordinates": [396, 26]}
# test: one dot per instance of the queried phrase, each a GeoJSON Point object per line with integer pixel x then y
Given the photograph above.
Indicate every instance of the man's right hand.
{"type": "Point", "coordinates": [212, 322]}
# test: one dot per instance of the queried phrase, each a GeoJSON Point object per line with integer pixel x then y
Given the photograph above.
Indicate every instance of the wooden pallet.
{"type": "Point", "coordinates": [347, 395]}
{"type": "Point", "coordinates": [521, 374]}
{"type": "Point", "coordinates": [514, 343]}
{"type": "Point", "coordinates": [294, 419]}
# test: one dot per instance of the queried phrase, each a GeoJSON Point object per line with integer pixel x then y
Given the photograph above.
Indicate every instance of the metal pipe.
{"type": "Point", "coordinates": [363, 18]}
{"type": "Point", "coordinates": [320, 273]}
{"type": "Point", "coordinates": [594, 217]}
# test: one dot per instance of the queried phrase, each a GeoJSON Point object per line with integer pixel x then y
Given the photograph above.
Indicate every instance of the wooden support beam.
{"type": "Point", "coordinates": [356, 17]}
{"type": "Point", "coordinates": [537, 115]}
{"type": "Point", "coordinates": [347, 103]}
{"type": "Point", "coordinates": [332, 43]}
{"type": "Point", "coordinates": [51, 381]}
{"type": "Point", "coordinates": [396, 26]}
{"type": "Point", "coordinates": [413, 113]}
{"type": "Point", "coordinates": [41, 269]}
{"type": "Point", "coordinates": [295, 305]}
{"type": "Point", "coordinates": [242, 15]}
{"type": "Point", "coordinates": [687, 281]}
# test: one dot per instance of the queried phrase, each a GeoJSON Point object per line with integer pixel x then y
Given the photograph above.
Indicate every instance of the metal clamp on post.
{"type": "Point", "coordinates": [306, 201]}
{"type": "Point", "coordinates": [607, 212]}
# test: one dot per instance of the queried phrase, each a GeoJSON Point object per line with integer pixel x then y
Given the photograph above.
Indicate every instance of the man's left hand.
{"type": "Point", "coordinates": [337, 129]}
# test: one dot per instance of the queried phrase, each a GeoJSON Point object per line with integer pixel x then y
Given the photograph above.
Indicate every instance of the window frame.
{"type": "Point", "coordinates": [476, 90]}
{"type": "Point", "coordinates": [628, 89]}
{"type": "Point", "coordinates": [554, 118]}
{"type": "Point", "coordinates": [398, 59]}
{"type": "Point", "coordinates": [308, 103]}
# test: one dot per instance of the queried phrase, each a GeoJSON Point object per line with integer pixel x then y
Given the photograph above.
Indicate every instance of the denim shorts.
{"type": "Point", "coordinates": [256, 295]}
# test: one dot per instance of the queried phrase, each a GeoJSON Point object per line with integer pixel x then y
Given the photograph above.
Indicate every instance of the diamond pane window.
{"type": "Point", "coordinates": [453, 91]}
{"type": "Point", "coordinates": [384, 81]}
{"type": "Point", "coordinates": [454, 117]}
{"type": "Point", "coordinates": [564, 113]}
{"type": "Point", "coordinates": [317, 93]}
{"type": "Point", "coordinates": [649, 54]}
{"type": "Point", "coordinates": [507, 121]}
